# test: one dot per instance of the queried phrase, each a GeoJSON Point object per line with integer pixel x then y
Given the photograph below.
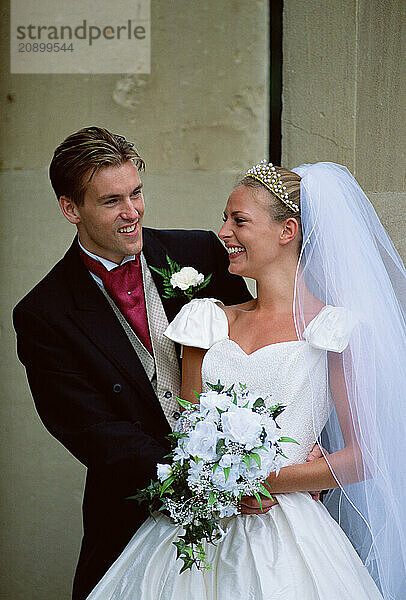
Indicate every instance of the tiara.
{"type": "Point", "coordinates": [267, 174]}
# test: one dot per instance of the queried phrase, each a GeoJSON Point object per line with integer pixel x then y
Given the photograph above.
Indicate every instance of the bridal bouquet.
{"type": "Point", "coordinates": [224, 449]}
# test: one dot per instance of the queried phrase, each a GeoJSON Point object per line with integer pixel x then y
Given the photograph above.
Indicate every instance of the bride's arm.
{"type": "Point", "coordinates": [317, 474]}
{"type": "Point", "coordinates": [192, 360]}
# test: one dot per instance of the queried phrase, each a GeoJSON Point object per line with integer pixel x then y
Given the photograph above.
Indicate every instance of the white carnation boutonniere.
{"type": "Point", "coordinates": [181, 281]}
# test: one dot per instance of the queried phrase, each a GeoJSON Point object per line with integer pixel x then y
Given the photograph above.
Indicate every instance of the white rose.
{"type": "Point", "coordinates": [219, 479]}
{"type": "Point", "coordinates": [164, 471]}
{"type": "Point", "coordinates": [210, 402]}
{"type": "Point", "coordinates": [202, 441]}
{"type": "Point", "coordinates": [186, 277]}
{"type": "Point", "coordinates": [254, 471]}
{"type": "Point", "coordinates": [243, 426]}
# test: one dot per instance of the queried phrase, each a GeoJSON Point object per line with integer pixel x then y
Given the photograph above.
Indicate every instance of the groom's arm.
{"type": "Point", "coordinates": [80, 409]}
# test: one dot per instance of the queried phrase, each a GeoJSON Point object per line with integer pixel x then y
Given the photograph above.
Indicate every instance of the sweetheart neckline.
{"type": "Point", "coordinates": [262, 347]}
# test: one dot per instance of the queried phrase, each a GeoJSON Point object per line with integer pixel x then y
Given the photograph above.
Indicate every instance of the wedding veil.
{"type": "Point", "coordinates": [348, 260]}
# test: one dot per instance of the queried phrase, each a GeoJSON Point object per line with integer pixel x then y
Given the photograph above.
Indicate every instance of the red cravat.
{"type": "Point", "coordinates": [124, 285]}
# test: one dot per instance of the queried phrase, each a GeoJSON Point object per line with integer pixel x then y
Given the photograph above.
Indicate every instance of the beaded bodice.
{"type": "Point", "coordinates": [279, 373]}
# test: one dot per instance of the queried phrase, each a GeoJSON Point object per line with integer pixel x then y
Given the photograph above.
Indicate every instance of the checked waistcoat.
{"type": "Point", "coordinates": [162, 368]}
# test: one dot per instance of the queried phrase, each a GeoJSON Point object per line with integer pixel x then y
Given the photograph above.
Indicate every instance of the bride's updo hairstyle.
{"type": "Point", "coordinates": [283, 192]}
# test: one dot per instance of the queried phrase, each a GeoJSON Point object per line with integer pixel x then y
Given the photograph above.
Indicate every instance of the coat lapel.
{"type": "Point", "coordinates": [155, 255]}
{"type": "Point", "coordinates": [95, 317]}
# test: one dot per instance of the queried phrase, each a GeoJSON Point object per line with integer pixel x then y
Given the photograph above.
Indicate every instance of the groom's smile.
{"type": "Point", "coordinates": [109, 221]}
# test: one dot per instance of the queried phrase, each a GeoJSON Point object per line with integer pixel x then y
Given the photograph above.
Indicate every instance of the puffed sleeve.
{"type": "Point", "coordinates": [330, 329]}
{"type": "Point", "coordinates": [200, 323]}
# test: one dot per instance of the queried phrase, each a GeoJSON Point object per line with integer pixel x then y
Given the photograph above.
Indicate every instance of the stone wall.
{"type": "Point", "coordinates": [344, 96]}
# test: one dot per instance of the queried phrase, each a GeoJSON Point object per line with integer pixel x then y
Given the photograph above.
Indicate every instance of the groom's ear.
{"type": "Point", "coordinates": [69, 209]}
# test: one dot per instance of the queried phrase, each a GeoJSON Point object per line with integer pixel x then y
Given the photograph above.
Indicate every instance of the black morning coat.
{"type": "Point", "coordinates": [92, 393]}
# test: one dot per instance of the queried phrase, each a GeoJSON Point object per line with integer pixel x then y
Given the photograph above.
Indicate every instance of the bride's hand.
{"type": "Point", "coordinates": [250, 505]}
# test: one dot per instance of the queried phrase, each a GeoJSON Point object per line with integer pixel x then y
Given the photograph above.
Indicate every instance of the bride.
{"type": "Point", "coordinates": [325, 336]}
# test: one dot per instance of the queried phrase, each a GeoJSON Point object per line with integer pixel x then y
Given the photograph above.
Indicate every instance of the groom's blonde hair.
{"type": "Point", "coordinates": [82, 154]}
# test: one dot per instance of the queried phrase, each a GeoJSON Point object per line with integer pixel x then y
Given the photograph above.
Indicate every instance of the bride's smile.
{"type": "Point", "coordinates": [252, 239]}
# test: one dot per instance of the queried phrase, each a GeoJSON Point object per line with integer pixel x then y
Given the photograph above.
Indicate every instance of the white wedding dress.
{"type": "Point", "coordinates": [296, 550]}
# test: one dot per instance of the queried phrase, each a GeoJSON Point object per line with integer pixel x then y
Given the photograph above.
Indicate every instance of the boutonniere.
{"type": "Point", "coordinates": [181, 281]}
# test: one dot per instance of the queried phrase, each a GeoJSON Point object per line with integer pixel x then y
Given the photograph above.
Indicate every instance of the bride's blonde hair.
{"type": "Point", "coordinates": [278, 211]}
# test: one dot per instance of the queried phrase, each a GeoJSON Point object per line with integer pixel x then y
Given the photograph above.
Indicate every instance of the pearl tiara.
{"type": "Point", "coordinates": [267, 174]}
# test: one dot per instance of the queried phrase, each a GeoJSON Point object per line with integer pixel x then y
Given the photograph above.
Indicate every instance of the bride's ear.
{"type": "Point", "coordinates": [289, 230]}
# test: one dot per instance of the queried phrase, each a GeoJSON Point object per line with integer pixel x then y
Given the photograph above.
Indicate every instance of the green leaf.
{"type": "Point", "coordinates": [265, 492]}
{"type": "Point", "coordinates": [226, 472]}
{"type": "Point", "coordinates": [218, 387]}
{"type": "Point", "coordinates": [186, 403]}
{"type": "Point", "coordinates": [256, 457]}
{"type": "Point", "coordinates": [277, 410]}
{"type": "Point", "coordinates": [212, 498]}
{"type": "Point", "coordinates": [205, 282]}
{"type": "Point", "coordinates": [288, 439]}
{"type": "Point", "coordinates": [258, 403]}
{"type": "Point", "coordinates": [187, 565]}
{"type": "Point", "coordinates": [166, 484]}
{"type": "Point", "coordinates": [159, 271]}
{"type": "Point", "coordinates": [258, 497]}
{"type": "Point", "coordinates": [259, 448]}
{"type": "Point", "coordinates": [246, 460]}
{"type": "Point", "coordinates": [196, 394]}
{"type": "Point", "coordinates": [176, 435]}
{"type": "Point", "coordinates": [220, 446]}
{"type": "Point", "coordinates": [173, 265]}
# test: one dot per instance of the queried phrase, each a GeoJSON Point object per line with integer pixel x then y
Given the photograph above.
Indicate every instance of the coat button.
{"type": "Point", "coordinates": [168, 394]}
{"type": "Point", "coordinates": [176, 415]}
{"type": "Point", "coordinates": [117, 388]}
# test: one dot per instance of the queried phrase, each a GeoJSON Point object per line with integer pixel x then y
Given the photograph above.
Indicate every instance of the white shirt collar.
{"type": "Point", "coordinates": [108, 264]}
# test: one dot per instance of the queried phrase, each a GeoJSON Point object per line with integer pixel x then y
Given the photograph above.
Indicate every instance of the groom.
{"type": "Point", "coordinates": [103, 376]}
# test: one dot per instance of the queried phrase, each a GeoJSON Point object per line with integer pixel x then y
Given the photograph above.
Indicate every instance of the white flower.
{"type": "Point", "coordinates": [247, 400]}
{"type": "Point", "coordinates": [195, 470]}
{"type": "Point", "coordinates": [243, 426]}
{"type": "Point", "coordinates": [219, 480]}
{"type": "Point", "coordinates": [202, 441]}
{"type": "Point", "coordinates": [227, 511]}
{"type": "Point", "coordinates": [164, 471]}
{"type": "Point", "coordinates": [180, 455]}
{"type": "Point", "coordinates": [226, 460]}
{"type": "Point", "coordinates": [256, 472]}
{"type": "Point", "coordinates": [212, 400]}
{"type": "Point", "coordinates": [271, 430]}
{"type": "Point", "coordinates": [186, 277]}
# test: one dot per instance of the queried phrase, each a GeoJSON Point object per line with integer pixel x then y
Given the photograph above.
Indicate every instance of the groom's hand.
{"type": "Point", "coordinates": [250, 505]}
{"type": "Point", "coordinates": [314, 454]}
